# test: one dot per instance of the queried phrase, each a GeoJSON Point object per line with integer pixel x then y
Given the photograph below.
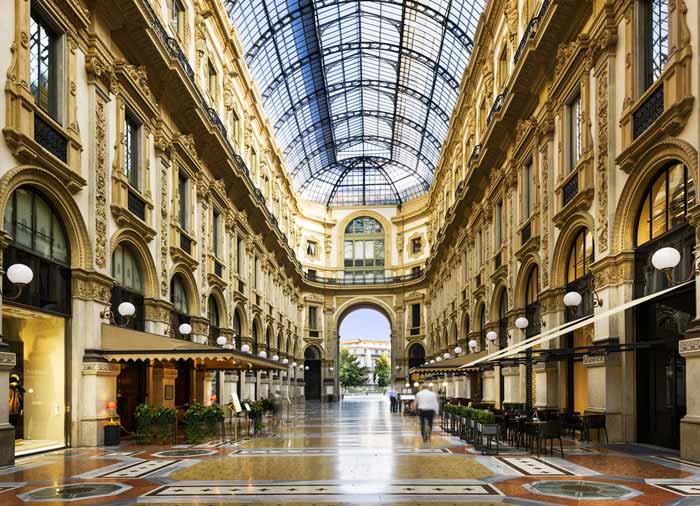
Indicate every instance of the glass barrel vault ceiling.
{"type": "Point", "coordinates": [359, 92]}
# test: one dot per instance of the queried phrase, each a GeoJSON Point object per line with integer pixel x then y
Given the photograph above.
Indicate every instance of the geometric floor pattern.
{"type": "Point", "coordinates": [349, 453]}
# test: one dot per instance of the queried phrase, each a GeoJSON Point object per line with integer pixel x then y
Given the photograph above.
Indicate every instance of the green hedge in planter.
{"type": "Point", "coordinates": [154, 425]}
{"type": "Point", "coordinates": [202, 422]}
{"type": "Point", "coordinates": [257, 410]}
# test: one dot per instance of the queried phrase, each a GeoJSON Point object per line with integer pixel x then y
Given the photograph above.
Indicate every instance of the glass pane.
{"type": "Point", "coordinates": [60, 244]}
{"type": "Point", "coordinates": [348, 249]}
{"type": "Point", "coordinates": [676, 184]}
{"type": "Point", "coordinates": [359, 250]}
{"type": "Point", "coordinates": [25, 228]}
{"type": "Point", "coordinates": [379, 249]}
{"type": "Point", "coordinates": [43, 218]}
{"type": "Point", "coordinates": [658, 209]}
{"type": "Point", "coordinates": [9, 216]}
{"type": "Point", "coordinates": [118, 266]}
{"type": "Point", "coordinates": [644, 227]}
{"type": "Point", "coordinates": [369, 249]}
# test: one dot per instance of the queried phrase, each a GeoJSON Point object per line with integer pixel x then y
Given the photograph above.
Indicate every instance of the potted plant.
{"type": "Point", "coordinates": [489, 429]}
{"type": "Point", "coordinates": [154, 425]}
{"type": "Point", "coordinates": [201, 422]}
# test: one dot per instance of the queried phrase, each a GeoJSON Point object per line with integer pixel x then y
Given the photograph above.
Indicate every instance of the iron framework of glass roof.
{"type": "Point", "coordinates": [359, 92]}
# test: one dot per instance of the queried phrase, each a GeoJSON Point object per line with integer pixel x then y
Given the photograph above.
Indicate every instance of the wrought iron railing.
{"type": "Point", "coordinates": [48, 137]}
{"type": "Point", "coordinates": [218, 269]}
{"type": "Point", "coordinates": [375, 279]}
{"type": "Point", "coordinates": [475, 153]}
{"type": "Point", "coordinates": [136, 205]}
{"type": "Point", "coordinates": [570, 190]}
{"type": "Point", "coordinates": [530, 31]}
{"type": "Point", "coordinates": [185, 244]}
{"type": "Point", "coordinates": [497, 106]}
{"type": "Point", "coordinates": [648, 112]}
{"type": "Point", "coordinates": [526, 233]}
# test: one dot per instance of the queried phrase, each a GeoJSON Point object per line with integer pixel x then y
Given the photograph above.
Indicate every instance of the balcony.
{"type": "Point", "coordinates": [648, 112]}
{"type": "Point", "coordinates": [136, 205]}
{"type": "Point", "coordinates": [570, 190]}
{"type": "Point", "coordinates": [497, 106]}
{"type": "Point", "coordinates": [526, 233]}
{"type": "Point", "coordinates": [50, 138]}
{"type": "Point", "coordinates": [363, 280]}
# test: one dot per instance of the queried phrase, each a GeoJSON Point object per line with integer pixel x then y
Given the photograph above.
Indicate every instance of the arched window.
{"type": "Point", "coordinates": [482, 327]}
{"type": "Point", "coordinates": [502, 319]}
{"type": "Point", "coordinates": [503, 68]}
{"type": "Point", "coordinates": [466, 332]}
{"type": "Point", "coordinates": [237, 323]}
{"type": "Point", "coordinates": [181, 307]}
{"type": "Point", "coordinates": [532, 306]}
{"type": "Point", "coordinates": [214, 321]}
{"type": "Point", "coordinates": [580, 256]}
{"type": "Point", "coordinates": [364, 250]}
{"type": "Point", "coordinates": [256, 337]}
{"type": "Point", "coordinates": [666, 203]}
{"type": "Point", "coordinates": [416, 355]}
{"type": "Point", "coordinates": [128, 285]}
{"type": "Point", "coordinates": [268, 340]}
{"type": "Point", "coordinates": [39, 241]}
{"type": "Point", "coordinates": [578, 275]}
{"type": "Point", "coordinates": [532, 287]}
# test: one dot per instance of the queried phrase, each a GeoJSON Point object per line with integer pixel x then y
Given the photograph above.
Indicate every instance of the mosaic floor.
{"type": "Point", "coordinates": [350, 453]}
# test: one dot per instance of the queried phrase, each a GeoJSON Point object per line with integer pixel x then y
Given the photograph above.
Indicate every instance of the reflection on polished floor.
{"type": "Point", "coordinates": [353, 452]}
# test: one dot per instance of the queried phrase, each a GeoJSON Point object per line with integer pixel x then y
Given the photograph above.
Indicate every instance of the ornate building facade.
{"type": "Point", "coordinates": [138, 166]}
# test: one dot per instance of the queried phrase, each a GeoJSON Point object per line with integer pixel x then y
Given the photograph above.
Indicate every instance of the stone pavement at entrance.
{"type": "Point", "coordinates": [353, 452]}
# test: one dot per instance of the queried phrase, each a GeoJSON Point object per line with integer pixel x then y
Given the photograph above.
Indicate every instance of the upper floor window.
{"type": "Point", "coordinates": [483, 114]}
{"type": "Point", "coordinates": [479, 250]}
{"type": "Point", "coordinates": [126, 269]}
{"type": "Point", "coordinates": [183, 189]}
{"type": "Point", "coordinates": [574, 131]}
{"type": "Point", "coordinates": [364, 248]}
{"type": "Point", "coordinates": [313, 318]}
{"type": "Point", "coordinates": [132, 129]}
{"type": "Point", "coordinates": [532, 288]}
{"type": "Point", "coordinates": [415, 316]}
{"type": "Point", "coordinates": [256, 276]}
{"type": "Point", "coordinates": [128, 285]}
{"type": "Point", "coordinates": [212, 83]}
{"type": "Point", "coordinates": [216, 233]}
{"type": "Point", "coordinates": [503, 68]}
{"type": "Point", "coordinates": [34, 226]}
{"type": "Point", "coordinates": [528, 186]}
{"type": "Point", "coordinates": [239, 256]}
{"type": "Point", "coordinates": [43, 64]}
{"type": "Point", "coordinates": [416, 245]}
{"type": "Point", "coordinates": [177, 17]}
{"type": "Point", "coordinates": [666, 203]}
{"type": "Point", "coordinates": [580, 256]}
{"type": "Point", "coordinates": [178, 295]}
{"type": "Point", "coordinates": [499, 224]}
{"type": "Point", "coordinates": [311, 249]}
{"type": "Point", "coordinates": [655, 36]}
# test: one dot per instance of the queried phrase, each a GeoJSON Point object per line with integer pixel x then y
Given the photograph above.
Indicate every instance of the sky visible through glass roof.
{"type": "Point", "coordinates": [359, 92]}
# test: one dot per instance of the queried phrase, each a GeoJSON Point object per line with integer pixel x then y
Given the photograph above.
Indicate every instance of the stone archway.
{"type": "Point", "coordinates": [398, 351]}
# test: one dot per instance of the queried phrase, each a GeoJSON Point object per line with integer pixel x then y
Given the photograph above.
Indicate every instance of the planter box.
{"type": "Point", "coordinates": [112, 436]}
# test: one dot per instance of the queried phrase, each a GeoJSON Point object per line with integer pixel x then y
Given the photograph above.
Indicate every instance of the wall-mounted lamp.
{"type": "Point", "coordinates": [185, 329]}
{"type": "Point", "coordinates": [491, 336]}
{"type": "Point", "coordinates": [458, 350]}
{"type": "Point", "coordinates": [665, 260]}
{"type": "Point", "coordinates": [245, 348]}
{"type": "Point", "coordinates": [472, 345]}
{"type": "Point", "coordinates": [126, 310]}
{"type": "Point", "coordinates": [262, 354]}
{"type": "Point", "coordinates": [446, 356]}
{"type": "Point", "coordinates": [19, 275]}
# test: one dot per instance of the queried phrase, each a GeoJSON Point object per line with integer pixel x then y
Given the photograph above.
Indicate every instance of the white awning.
{"type": "Point", "coordinates": [570, 327]}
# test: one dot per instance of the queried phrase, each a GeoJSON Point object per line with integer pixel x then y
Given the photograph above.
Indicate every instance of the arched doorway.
{"type": "Point", "coordinates": [416, 355]}
{"type": "Point", "coordinates": [364, 333]}
{"type": "Point", "coordinates": [663, 321]}
{"type": "Point", "coordinates": [312, 373]}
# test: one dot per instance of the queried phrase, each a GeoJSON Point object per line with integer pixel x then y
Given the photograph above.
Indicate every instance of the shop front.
{"type": "Point", "coordinates": [36, 322]}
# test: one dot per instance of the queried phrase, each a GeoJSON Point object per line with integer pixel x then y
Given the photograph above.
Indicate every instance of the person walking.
{"type": "Point", "coordinates": [394, 399]}
{"type": "Point", "coordinates": [427, 406]}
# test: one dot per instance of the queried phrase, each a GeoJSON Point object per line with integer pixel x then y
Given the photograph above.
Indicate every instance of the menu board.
{"type": "Point", "coordinates": [236, 403]}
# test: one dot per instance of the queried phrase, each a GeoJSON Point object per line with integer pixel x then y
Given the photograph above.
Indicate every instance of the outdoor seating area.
{"type": "Point", "coordinates": [518, 427]}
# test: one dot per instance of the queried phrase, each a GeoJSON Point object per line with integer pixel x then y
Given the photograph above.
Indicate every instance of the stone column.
{"type": "Point", "coordinates": [7, 431]}
{"type": "Point", "coordinates": [690, 424]}
{"type": "Point", "coordinates": [207, 383]}
{"type": "Point", "coordinates": [511, 384]}
{"type": "Point", "coordinates": [163, 378]}
{"type": "Point", "coordinates": [97, 388]}
{"type": "Point", "coordinates": [546, 384]}
{"type": "Point", "coordinates": [490, 382]}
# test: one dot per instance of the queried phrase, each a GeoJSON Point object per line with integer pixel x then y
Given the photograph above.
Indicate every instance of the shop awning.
{"type": "Point", "coordinates": [120, 344]}
{"type": "Point", "coordinates": [544, 337]}
{"type": "Point", "coordinates": [454, 364]}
